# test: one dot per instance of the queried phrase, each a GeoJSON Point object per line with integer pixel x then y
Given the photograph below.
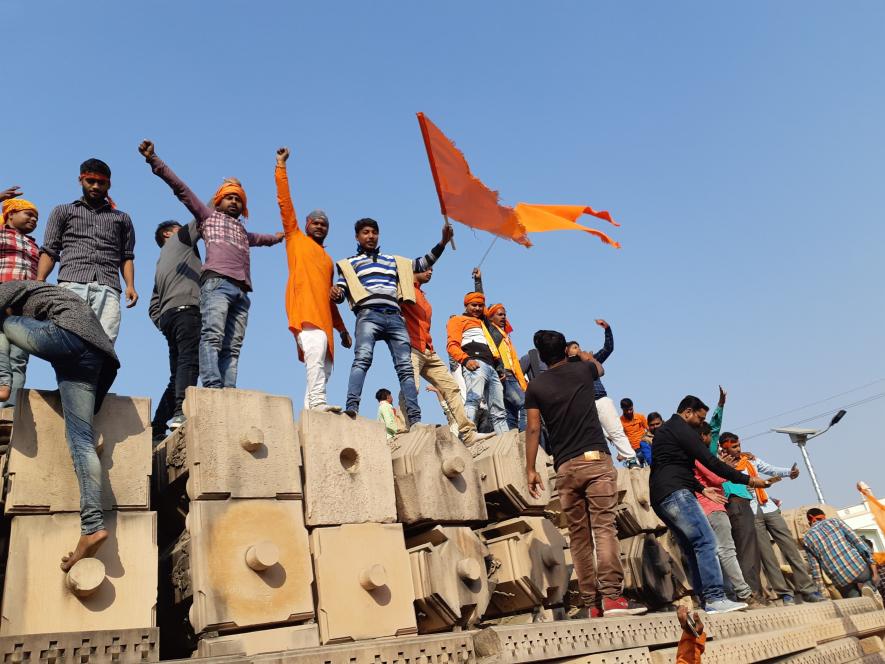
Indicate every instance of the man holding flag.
{"type": "Point", "coordinates": [376, 285]}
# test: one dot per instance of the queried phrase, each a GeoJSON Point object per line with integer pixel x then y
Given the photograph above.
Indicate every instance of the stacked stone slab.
{"type": "Point", "coordinates": [364, 584]}
{"type": "Point", "coordinates": [113, 594]}
{"type": "Point", "coordinates": [243, 561]}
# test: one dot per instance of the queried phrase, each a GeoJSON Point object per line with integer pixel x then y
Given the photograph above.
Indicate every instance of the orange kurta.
{"type": "Point", "coordinates": [310, 273]}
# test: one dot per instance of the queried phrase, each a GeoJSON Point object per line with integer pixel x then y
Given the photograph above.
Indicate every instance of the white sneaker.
{"type": "Point", "coordinates": [724, 606]}
{"type": "Point", "coordinates": [327, 408]}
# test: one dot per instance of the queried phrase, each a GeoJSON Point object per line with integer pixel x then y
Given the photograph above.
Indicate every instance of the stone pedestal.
{"type": "Point", "coordinates": [348, 476]}
{"type": "Point", "coordinates": [41, 473]}
{"type": "Point", "coordinates": [364, 584]}
{"type": "Point", "coordinates": [501, 465]}
{"type": "Point", "coordinates": [435, 478]}
{"type": "Point", "coordinates": [528, 565]}
{"type": "Point", "coordinates": [450, 577]}
{"type": "Point", "coordinates": [246, 563]}
{"type": "Point", "coordinates": [117, 590]}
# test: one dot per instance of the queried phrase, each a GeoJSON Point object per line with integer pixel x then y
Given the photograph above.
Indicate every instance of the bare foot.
{"type": "Point", "coordinates": [5, 391]}
{"type": "Point", "coordinates": [87, 547]}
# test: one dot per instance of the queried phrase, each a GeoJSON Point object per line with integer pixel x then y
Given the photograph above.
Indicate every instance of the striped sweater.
{"type": "Point", "coordinates": [377, 273]}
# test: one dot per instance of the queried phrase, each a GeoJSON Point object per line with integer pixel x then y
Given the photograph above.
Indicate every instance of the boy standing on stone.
{"type": "Point", "coordinates": [18, 260]}
{"type": "Point", "coordinates": [226, 279]}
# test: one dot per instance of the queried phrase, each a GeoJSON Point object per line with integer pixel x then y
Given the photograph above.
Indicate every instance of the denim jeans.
{"type": "Point", "coordinates": [103, 300]}
{"type": "Point", "coordinates": [682, 514]}
{"type": "Point", "coordinates": [484, 383]}
{"type": "Point", "coordinates": [77, 366]}
{"type": "Point", "coordinates": [514, 402]}
{"type": "Point", "coordinates": [389, 326]}
{"type": "Point", "coordinates": [181, 327]}
{"type": "Point", "coordinates": [224, 307]}
{"type": "Point", "coordinates": [18, 365]}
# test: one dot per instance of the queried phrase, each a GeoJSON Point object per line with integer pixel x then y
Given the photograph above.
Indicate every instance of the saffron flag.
{"type": "Point", "coordinates": [463, 197]}
{"type": "Point", "coordinates": [876, 506]}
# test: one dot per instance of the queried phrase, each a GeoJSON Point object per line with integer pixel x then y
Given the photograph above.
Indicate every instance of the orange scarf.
{"type": "Point", "coordinates": [745, 465]}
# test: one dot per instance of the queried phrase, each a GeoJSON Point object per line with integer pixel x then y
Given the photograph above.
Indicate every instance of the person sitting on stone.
{"type": "Point", "coordinates": [57, 325]}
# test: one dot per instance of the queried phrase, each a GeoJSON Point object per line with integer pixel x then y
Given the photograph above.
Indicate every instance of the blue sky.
{"type": "Point", "coordinates": [739, 146]}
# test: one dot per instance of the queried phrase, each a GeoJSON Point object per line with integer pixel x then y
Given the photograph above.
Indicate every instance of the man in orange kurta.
{"type": "Point", "coordinates": [311, 313]}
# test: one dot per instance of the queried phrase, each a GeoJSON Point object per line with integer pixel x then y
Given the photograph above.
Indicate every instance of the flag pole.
{"type": "Point", "coordinates": [442, 204]}
{"type": "Point", "coordinates": [486, 254]}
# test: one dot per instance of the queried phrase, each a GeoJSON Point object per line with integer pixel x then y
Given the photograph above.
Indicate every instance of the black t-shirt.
{"type": "Point", "coordinates": [567, 401]}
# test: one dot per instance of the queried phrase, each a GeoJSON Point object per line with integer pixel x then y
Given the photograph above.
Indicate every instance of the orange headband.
{"type": "Point", "coordinates": [231, 186]}
{"type": "Point", "coordinates": [16, 205]}
{"type": "Point", "coordinates": [104, 178]}
{"type": "Point", "coordinates": [474, 298]}
{"type": "Point", "coordinates": [495, 308]}
{"type": "Point", "coordinates": [818, 517]}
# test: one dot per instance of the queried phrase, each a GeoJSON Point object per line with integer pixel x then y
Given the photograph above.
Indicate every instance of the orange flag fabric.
{"type": "Point", "coordinates": [463, 197]}
{"type": "Point", "coordinates": [876, 506]}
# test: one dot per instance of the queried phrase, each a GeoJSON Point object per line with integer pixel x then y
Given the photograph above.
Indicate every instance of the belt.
{"type": "Point", "coordinates": [183, 307]}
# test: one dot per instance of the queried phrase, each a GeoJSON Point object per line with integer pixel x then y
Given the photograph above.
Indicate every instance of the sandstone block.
{"type": "Point", "coordinates": [41, 473]}
{"type": "Point", "coordinates": [348, 475]}
{"type": "Point", "coordinates": [450, 577]}
{"type": "Point", "coordinates": [634, 514]}
{"type": "Point", "coordinates": [247, 563]}
{"type": "Point", "coordinates": [435, 478]}
{"type": "Point", "coordinates": [364, 584]}
{"type": "Point", "coordinates": [501, 465]}
{"type": "Point", "coordinates": [247, 644]}
{"type": "Point", "coordinates": [528, 564]}
{"type": "Point", "coordinates": [236, 444]}
{"type": "Point", "coordinates": [39, 597]}
{"type": "Point", "coordinates": [872, 644]}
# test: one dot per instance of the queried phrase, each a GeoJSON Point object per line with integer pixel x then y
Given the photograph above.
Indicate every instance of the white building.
{"type": "Point", "coordinates": [860, 520]}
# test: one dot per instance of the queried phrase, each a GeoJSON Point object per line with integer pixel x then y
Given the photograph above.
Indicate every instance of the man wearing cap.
{"type": "Point", "coordinates": [94, 244]}
{"type": "Point", "coordinates": [312, 315]}
{"type": "Point", "coordinates": [470, 344]}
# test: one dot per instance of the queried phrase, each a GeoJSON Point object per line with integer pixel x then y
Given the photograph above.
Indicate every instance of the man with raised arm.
{"type": "Point", "coordinates": [375, 286]}
{"type": "Point", "coordinates": [672, 488]}
{"type": "Point", "coordinates": [311, 314]}
{"type": "Point", "coordinates": [226, 279]}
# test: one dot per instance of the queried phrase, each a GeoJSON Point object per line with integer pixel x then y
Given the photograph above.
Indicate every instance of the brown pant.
{"type": "Point", "coordinates": [588, 494]}
{"type": "Point", "coordinates": [429, 365]}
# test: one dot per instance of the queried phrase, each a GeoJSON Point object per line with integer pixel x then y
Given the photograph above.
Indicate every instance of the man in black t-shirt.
{"type": "Point", "coordinates": [587, 481]}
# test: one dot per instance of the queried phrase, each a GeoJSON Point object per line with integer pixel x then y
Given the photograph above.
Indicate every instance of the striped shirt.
{"type": "Point", "coordinates": [837, 549]}
{"type": "Point", "coordinates": [377, 273]}
{"type": "Point", "coordinates": [90, 245]}
{"type": "Point", "coordinates": [18, 255]}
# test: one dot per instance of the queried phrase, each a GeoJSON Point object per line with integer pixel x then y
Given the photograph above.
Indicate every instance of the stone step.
{"type": "Point", "coordinates": [835, 652]}
{"type": "Point", "coordinates": [743, 650]}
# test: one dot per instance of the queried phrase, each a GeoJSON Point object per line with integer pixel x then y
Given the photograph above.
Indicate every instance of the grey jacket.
{"type": "Point", "coordinates": [42, 301]}
{"type": "Point", "coordinates": [177, 279]}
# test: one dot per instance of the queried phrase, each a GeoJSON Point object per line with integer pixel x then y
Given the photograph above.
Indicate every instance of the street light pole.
{"type": "Point", "coordinates": [801, 437]}
{"type": "Point", "coordinates": [804, 452]}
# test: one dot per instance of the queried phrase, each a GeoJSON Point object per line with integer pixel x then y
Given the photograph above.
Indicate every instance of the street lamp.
{"type": "Point", "coordinates": [801, 437]}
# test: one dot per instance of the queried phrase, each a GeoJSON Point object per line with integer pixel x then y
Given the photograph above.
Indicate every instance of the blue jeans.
{"type": "Point", "coordinates": [514, 402]}
{"type": "Point", "coordinates": [103, 300]}
{"type": "Point", "coordinates": [682, 514]}
{"type": "Point", "coordinates": [483, 383]}
{"type": "Point", "coordinates": [18, 366]}
{"type": "Point", "coordinates": [77, 366]}
{"type": "Point", "coordinates": [644, 453]}
{"type": "Point", "coordinates": [389, 326]}
{"type": "Point", "coordinates": [225, 311]}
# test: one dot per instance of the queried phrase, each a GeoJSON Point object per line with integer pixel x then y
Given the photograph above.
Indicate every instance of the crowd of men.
{"type": "Point", "coordinates": [708, 492]}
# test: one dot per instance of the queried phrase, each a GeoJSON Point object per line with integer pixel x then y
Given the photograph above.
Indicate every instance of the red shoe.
{"type": "Point", "coordinates": [621, 606]}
